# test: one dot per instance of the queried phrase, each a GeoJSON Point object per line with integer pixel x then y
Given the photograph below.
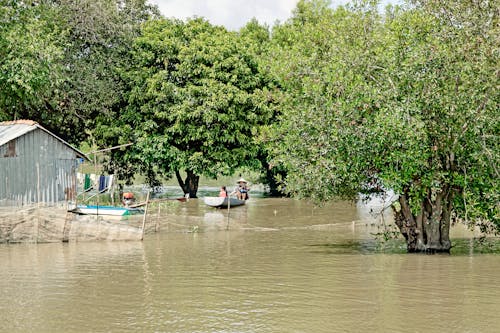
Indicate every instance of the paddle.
{"type": "Point", "coordinates": [228, 206]}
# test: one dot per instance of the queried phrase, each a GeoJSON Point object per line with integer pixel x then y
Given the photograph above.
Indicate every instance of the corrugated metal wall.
{"type": "Point", "coordinates": [43, 170]}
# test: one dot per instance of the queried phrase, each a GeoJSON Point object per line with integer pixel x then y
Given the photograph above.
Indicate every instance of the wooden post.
{"type": "Point", "coordinates": [157, 225]}
{"type": "Point", "coordinates": [37, 223]}
{"type": "Point", "coordinates": [69, 216]}
{"type": "Point", "coordinates": [112, 190]}
{"type": "Point", "coordinates": [95, 170]}
{"type": "Point", "coordinates": [144, 217]}
{"type": "Point", "coordinates": [228, 207]}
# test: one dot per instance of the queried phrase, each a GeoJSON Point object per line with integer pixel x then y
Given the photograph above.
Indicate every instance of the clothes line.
{"type": "Point", "coordinates": [103, 183]}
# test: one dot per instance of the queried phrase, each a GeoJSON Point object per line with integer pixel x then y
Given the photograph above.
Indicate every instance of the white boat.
{"type": "Point", "coordinates": [105, 210]}
{"type": "Point", "coordinates": [221, 202]}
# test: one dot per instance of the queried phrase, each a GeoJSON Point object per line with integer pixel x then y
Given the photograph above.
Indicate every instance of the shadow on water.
{"type": "Point", "coordinates": [366, 246]}
{"type": "Point", "coordinates": [460, 247]}
{"type": "Point", "coordinates": [474, 246]}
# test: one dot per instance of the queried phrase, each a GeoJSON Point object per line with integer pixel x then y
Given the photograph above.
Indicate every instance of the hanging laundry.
{"type": "Point", "coordinates": [110, 182]}
{"type": "Point", "coordinates": [86, 183]}
{"type": "Point", "coordinates": [102, 183]}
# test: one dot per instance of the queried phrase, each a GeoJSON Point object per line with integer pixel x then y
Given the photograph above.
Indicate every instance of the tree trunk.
{"type": "Point", "coordinates": [271, 181]}
{"type": "Point", "coordinates": [429, 230]}
{"type": "Point", "coordinates": [190, 184]}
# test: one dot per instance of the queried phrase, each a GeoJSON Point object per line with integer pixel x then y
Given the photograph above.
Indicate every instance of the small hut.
{"type": "Point", "coordinates": [36, 166]}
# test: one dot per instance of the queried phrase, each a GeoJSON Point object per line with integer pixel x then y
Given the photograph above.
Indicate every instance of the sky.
{"type": "Point", "coordinates": [233, 14]}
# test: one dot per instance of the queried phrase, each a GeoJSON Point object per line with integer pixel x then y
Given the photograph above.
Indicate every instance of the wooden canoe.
{"type": "Point", "coordinates": [220, 202]}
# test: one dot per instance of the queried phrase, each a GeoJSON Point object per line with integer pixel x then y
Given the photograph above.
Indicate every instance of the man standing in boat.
{"type": "Point", "coordinates": [242, 189]}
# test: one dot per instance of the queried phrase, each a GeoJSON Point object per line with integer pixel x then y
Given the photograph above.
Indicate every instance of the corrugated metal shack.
{"type": "Point", "coordinates": [37, 182]}
{"type": "Point", "coordinates": [36, 166]}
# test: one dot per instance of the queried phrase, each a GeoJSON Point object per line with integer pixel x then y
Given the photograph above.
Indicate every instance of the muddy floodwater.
{"type": "Point", "coordinates": [278, 265]}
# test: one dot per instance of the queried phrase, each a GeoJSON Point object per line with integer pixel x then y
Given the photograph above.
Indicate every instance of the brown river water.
{"type": "Point", "coordinates": [282, 266]}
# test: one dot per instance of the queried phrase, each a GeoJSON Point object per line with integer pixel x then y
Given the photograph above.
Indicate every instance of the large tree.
{"type": "Point", "coordinates": [196, 98]}
{"type": "Point", "coordinates": [100, 35]}
{"type": "Point", "coordinates": [407, 101]}
{"type": "Point", "coordinates": [257, 41]}
{"type": "Point", "coordinates": [60, 60]}
{"type": "Point", "coordinates": [31, 49]}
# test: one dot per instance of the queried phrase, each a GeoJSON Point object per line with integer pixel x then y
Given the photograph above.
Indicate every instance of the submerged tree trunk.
{"type": "Point", "coordinates": [429, 230]}
{"type": "Point", "coordinates": [190, 184]}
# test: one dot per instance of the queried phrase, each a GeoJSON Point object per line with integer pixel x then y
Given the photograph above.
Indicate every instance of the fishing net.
{"type": "Point", "coordinates": [41, 224]}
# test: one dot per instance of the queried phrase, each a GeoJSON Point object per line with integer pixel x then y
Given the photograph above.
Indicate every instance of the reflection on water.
{"type": "Point", "coordinates": [282, 266]}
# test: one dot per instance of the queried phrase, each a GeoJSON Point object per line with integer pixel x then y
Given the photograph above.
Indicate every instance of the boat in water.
{"type": "Point", "coordinates": [106, 210]}
{"type": "Point", "coordinates": [223, 202]}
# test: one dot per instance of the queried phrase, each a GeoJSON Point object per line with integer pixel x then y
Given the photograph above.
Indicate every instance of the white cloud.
{"type": "Point", "coordinates": [232, 14]}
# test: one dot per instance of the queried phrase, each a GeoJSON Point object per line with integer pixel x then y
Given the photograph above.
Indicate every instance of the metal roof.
{"type": "Point", "coordinates": [10, 130]}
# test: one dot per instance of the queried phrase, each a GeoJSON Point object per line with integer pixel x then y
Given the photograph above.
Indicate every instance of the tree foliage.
{"type": "Point", "coordinates": [101, 34]}
{"type": "Point", "coordinates": [60, 59]}
{"type": "Point", "coordinates": [196, 100]}
{"type": "Point", "coordinates": [405, 101]}
{"type": "Point", "coordinates": [31, 49]}
{"type": "Point", "coordinates": [345, 101]}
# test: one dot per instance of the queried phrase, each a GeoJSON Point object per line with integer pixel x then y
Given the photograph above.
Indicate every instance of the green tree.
{"type": "Point", "coordinates": [407, 101]}
{"type": "Point", "coordinates": [31, 48]}
{"type": "Point", "coordinates": [445, 70]}
{"type": "Point", "coordinates": [60, 60]}
{"type": "Point", "coordinates": [256, 38]}
{"type": "Point", "coordinates": [100, 35]}
{"type": "Point", "coordinates": [196, 100]}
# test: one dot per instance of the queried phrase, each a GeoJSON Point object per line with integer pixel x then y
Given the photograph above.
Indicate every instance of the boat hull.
{"type": "Point", "coordinates": [106, 210]}
{"type": "Point", "coordinates": [219, 202]}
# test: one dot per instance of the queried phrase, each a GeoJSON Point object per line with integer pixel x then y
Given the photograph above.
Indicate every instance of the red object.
{"type": "Point", "coordinates": [128, 195]}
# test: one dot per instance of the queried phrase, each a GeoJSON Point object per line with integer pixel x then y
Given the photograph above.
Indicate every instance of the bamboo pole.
{"type": "Point", "coordinates": [74, 186]}
{"type": "Point", "coordinates": [144, 217]}
{"type": "Point", "coordinates": [36, 225]}
{"type": "Point", "coordinates": [95, 171]}
{"type": "Point", "coordinates": [157, 225]}
{"type": "Point", "coordinates": [110, 148]}
{"type": "Point", "coordinates": [112, 190]}
{"type": "Point", "coordinates": [228, 207]}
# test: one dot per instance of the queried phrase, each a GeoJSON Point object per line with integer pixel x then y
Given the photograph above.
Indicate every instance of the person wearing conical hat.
{"type": "Point", "coordinates": [242, 189]}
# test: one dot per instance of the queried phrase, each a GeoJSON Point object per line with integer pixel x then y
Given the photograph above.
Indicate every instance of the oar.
{"type": "Point", "coordinates": [228, 206]}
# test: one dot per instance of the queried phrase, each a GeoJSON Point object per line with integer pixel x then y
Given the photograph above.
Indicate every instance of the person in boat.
{"type": "Point", "coordinates": [223, 192]}
{"type": "Point", "coordinates": [242, 189]}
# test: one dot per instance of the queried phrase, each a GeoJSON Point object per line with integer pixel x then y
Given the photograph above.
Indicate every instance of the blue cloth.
{"type": "Point", "coordinates": [102, 183]}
